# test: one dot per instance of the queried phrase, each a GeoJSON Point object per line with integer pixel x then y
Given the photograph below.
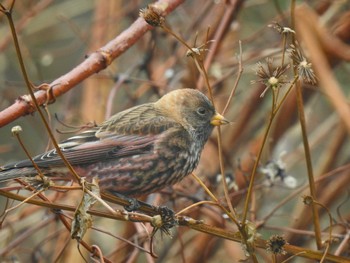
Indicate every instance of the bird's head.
{"type": "Point", "coordinates": [192, 109]}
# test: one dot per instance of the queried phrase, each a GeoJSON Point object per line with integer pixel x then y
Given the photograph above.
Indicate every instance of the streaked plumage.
{"type": "Point", "coordinates": [137, 151]}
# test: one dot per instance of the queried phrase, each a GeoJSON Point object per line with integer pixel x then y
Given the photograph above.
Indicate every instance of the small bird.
{"type": "Point", "coordinates": [137, 151]}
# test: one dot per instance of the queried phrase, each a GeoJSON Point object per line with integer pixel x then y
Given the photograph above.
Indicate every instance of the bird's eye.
{"type": "Point", "coordinates": [201, 111]}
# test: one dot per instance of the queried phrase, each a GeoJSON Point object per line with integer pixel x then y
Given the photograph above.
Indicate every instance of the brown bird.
{"type": "Point", "coordinates": [137, 151]}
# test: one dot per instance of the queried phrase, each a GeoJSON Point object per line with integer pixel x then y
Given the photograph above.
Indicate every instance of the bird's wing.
{"type": "Point", "coordinates": [117, 146]}
{"type": "Point", "coordinates": [142, 119]}
{"type": "Point", "coordinates": [128, 133]}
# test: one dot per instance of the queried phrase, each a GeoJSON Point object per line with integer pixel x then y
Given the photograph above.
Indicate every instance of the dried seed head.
{"type": "Point", "coordinates": [281, 29]}
{"type": "Point", "coordinates": [16, 130]}
{"type": "Point", "coordinates": [276, 244]}
{"type": "Point", "coordinates": [271, 77]}
{"type": "Point", "coordinates": [308, 200]}
{"type": "Point", "coordinates": [152, 15]}
{"type": "Point", "coordinates": [303, 67]}
{"type": "Point", "coordinates": [275, 170]}
{"type": "Point", "coordinates": [273, 81]}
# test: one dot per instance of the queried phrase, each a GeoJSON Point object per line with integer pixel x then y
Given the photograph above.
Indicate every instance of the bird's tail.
{"type": "Point", "coordinates": [13, 173]}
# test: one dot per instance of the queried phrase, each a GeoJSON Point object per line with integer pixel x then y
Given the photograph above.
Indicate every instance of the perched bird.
{"type": "Point", "coordinates": [137, 151]}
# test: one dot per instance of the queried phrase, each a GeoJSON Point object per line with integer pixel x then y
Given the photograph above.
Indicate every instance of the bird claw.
{"type": "Point", "coordinates": [133, 206]}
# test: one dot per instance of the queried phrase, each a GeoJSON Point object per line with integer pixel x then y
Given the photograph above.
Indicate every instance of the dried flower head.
{"type": "Point", "coordinates": [276, 244]}
{"type": "Point", "coordinates": [272, 77]}
{"type": "Point", "coordinates": [281, 29]}
{"type": "Point", "coordinates": [152, 15]}
{"type": "Point", "coordinates": [308, 200]}
{"type": "Point", "coordinates": [275, 170]}
{"type": "Point", "coordinates": [230, 180]}
{"type": "Point", "coordinates": [164, 221]}
{"type": "Point", "coordinates": [16, 130]}
{"type": "Point", "coordinates": [303, 67]}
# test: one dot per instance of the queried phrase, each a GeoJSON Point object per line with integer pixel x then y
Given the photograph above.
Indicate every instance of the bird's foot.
{"type": "Point", "coordinates": [134, 204]}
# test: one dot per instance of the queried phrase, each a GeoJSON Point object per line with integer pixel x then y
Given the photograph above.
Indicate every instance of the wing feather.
{"type": "Point", "coordinates": [128, 133]}
{"type": "Point", "coordinates": [112, 148]}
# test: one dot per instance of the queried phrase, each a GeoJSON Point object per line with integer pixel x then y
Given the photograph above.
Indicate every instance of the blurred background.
{"type": "Point", "coordinates": [55, 36]}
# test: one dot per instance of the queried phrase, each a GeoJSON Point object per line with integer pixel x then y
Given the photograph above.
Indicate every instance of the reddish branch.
{"type": "Point", "coordinates": [95, 62]}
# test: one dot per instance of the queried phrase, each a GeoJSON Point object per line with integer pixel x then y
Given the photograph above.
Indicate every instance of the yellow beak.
{"type": "Point", "coordinates": [218, 120]}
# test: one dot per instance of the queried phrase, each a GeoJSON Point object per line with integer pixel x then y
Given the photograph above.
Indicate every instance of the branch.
{"type": "Point", "coordinates": [94, 63]}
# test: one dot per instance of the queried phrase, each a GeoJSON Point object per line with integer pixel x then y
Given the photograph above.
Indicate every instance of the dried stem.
{"type": "Point", "coordinates": [302, 121]}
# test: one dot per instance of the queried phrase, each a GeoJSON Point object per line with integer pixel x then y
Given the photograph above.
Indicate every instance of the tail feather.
{"type": "Point", "coordinates": [13, 173]}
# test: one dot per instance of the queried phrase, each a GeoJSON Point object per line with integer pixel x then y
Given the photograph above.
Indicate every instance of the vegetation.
{"type": "Point", "coordinates": [271, 187]}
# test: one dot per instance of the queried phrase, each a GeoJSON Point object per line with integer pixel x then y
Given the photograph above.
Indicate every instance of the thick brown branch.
{"type": "Point", "coordinates": [94, 63]}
